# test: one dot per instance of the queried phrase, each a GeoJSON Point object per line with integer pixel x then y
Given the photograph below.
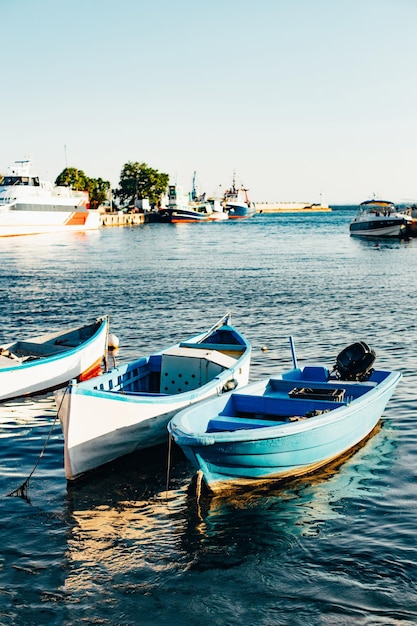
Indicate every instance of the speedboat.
{"type": "Point", "coordinates": [380, 218]}
{"type": "Point", "coordinates": [30, 206]}
{"type": "Point", "coordinates": [128, 408]}
{"type": "Point", "coordinates": [287, 425]}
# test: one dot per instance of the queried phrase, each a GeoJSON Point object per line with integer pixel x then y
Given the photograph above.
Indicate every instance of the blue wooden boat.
{"type": "Point", "coordinates": [285, 426]}
{"type": "Point", "coordinates": [128, 408]}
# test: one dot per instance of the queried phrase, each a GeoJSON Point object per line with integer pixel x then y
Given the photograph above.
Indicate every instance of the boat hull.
{"type": "Point", "coordinates": [46, 219]}
{"type": "Point", "coordinates": [259, 452]}
{"type": "Point", "coordinates": [379, 228]}
{"type": "Point", "coordinates": [104, 419]}
{"type": "Point", "coordinates": [239, 211]}
{"type": "Point", "coordinates": [179, 216]}
{"type": "Point", "coordinates": [40, 375]}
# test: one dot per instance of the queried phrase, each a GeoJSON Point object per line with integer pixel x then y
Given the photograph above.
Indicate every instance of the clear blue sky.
{"type": "Point", "coordinates": [299, 97]}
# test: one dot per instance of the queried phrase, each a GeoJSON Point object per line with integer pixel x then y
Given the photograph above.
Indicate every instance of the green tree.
{"type": "Point", "coordinates": [138, 180]}
{"type": "Point", "coordinates": [97, 188]}
{"type": "Point", "coordinates": [71, 177]}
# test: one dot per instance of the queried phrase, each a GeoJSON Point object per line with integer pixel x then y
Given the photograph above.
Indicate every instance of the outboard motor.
{"type": "Point", "coordinates": [355, 362]}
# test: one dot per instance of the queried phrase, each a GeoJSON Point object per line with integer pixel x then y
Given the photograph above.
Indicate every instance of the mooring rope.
{"type": "Point", "coordinates": [168, 464]}
{"type": "Point", "coordinates": [21, 492]}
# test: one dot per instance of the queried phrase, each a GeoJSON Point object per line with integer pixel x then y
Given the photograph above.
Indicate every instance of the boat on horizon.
{"type": "Point", "coordinates": [236, 202]}
{"type": "Point", "coordinates": [191, 208]}
{"type": "Point", "coordinates": [30, 206]}
{"type": "Point", "coordinates": [380, 218]}
{"type": "Point", "coordinates": [287, 425]}
{"type": "Point", "coordinates": [34, 365]}
{"type": "Point", "coordinates": [128, 408]}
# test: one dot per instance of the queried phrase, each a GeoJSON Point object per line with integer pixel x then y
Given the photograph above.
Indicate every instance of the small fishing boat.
{"type": "Point", "coordinates": [380, 218]}
{"type": "Point", "coordinates": [128, 408]}
{"type": "Point", "coordinates": [38, 364]}
{"type": "Point", "coordinates": [236, 202]}
{"type": "Point", "coordinates": [191, 208]}
{"type": "Point", "coordinates": [285, 426]}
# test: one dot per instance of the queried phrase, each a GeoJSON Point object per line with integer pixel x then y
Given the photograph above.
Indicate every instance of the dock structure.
{"type": "Point", "coordinates": [289, 207]}
{"type": "Point", "coordinates": [120, 218]}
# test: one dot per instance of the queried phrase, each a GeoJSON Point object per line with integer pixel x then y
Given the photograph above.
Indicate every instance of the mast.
{"type": "Point", "coordinates": [193, 190]}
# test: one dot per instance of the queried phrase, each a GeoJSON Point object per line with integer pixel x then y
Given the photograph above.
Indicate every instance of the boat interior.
{"type": "Point", "coordinates": [178, 369]}
{"type": "Point", "coordinates": [296, 396]}
{"type": "Point", "coordinates": [44, 346]}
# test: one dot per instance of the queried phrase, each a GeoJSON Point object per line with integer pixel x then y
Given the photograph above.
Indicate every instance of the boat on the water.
{"type": "Point", "coordinates": [128, 408]}
{"type": "Point", "coordinates": [30, 206]}
{"type": "Point", "coordinates": [236, 202]}
{"type": "Point", "coordinates": [380, 218]}
{"type": "Point", "coordinates": [34, 365]}
{"type": "Point", "coordinates": [287, 425]}
{"type": "Point", "coordinates": [191, 208]}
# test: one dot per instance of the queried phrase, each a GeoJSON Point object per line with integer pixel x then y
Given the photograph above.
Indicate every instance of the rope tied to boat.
{"type": "Point", "coordinates": [168, 464]}
{"type": "Point", "coordinates": [22, 491]}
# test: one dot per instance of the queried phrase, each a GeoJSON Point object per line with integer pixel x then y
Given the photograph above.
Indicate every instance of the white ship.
{"type": "Point", "coordinates": [30, 206]}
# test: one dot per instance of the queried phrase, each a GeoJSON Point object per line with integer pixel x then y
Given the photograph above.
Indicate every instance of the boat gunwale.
{"type": "Point", "coordinates": [59, 356]}
{"type": "Point", "coordinates": [280, 429]}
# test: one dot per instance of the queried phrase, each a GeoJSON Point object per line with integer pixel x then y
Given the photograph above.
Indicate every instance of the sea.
{"type": "Point", "coordinates": [136, 544]}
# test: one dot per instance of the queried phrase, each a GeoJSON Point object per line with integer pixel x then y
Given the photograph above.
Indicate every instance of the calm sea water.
{"type": "Point", "coordinates": [120, 549]}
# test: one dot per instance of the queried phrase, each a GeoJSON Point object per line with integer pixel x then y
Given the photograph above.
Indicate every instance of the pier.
{"type": "Point", "coordinates": [289, 207]}
{"type": "Point", "coordinates": [120, 218]}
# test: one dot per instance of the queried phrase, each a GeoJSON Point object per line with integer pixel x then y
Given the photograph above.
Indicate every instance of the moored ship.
{"type": "Point", "coordinates": [30, 206]}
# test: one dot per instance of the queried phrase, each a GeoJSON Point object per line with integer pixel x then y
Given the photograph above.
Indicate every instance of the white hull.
{"type": "Point", "coordinates": [19, 378]}
{"type": "Point", "coordinates": [14, 222]}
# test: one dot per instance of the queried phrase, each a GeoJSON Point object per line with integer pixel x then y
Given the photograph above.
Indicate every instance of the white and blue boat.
{"type": "Point", "coordinates": [128, 408]}
{"type": "Point", "coordinates": [34, 365]}
{"type": "Point", "coordinates": [380, 218]}
{"type": "Point", "coordinates": [236, 202]}
{"type": "Point", "coordinates": [285, 426]}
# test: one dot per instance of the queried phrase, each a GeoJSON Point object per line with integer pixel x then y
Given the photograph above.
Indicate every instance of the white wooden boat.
{"type": "Point", "coordinates": [37, 364]}
{"type": "Point", "coordinates": [285, 426]}
{"type": "Point", "coordinates": [129, 407]}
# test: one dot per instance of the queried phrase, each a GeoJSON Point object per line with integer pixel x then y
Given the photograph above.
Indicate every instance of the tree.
{"type": "Point", "coordinates": [138, 180]}
{"type": "Point", "coordinates": [71, 177]}
{"type": "Point", "coordinates": [97, 188]}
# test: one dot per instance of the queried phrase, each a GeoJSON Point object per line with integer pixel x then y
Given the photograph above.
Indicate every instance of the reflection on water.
{"type": "Point", "coordinates": [132, 525]}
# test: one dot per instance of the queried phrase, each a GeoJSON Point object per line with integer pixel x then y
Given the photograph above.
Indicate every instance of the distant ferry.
{"type": "Point", "coordinates": [30, 206]}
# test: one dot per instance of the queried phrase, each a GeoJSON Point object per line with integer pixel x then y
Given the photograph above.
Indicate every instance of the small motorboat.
{"type": "Point", "coordinates": [128, 408]}
{"type": "Point", "coordinates": [285, 426]}
{"type": "Point", "coordinates": [380, 218]}
{"type": "Point", "coordinates": [38, 364]}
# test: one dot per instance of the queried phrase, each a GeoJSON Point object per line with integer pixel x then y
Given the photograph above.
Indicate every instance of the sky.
{"type": "Point", "coordinates": [302, 99]}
